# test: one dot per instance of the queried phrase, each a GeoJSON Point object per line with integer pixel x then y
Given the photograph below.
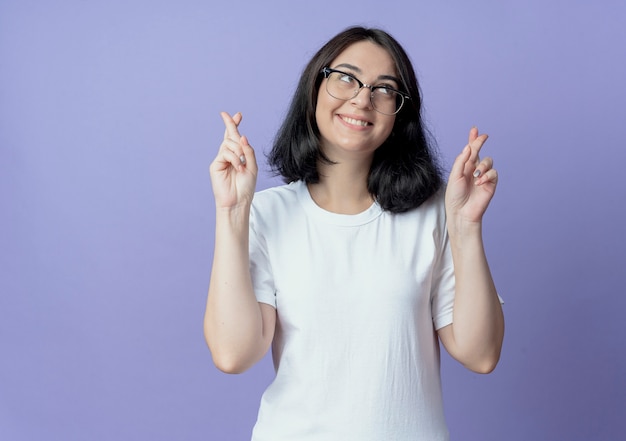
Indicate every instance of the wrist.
{"type": "Point", "coordinates": [235, 217]}
{"type": "Point", "coordinates": [460, 229]}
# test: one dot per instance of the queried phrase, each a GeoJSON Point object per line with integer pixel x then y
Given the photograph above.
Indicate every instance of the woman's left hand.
{"type": "Point", "coordinates": [472, 182]}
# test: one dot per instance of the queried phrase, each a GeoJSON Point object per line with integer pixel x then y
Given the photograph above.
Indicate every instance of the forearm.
{"type": "Point", "coordinates": [478, 326]}
{"type": "Point", "coordinates": [233, 324]}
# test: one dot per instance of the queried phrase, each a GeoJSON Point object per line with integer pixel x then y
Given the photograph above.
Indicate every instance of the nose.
{"type": "Point", "coordinates": [363, 98]}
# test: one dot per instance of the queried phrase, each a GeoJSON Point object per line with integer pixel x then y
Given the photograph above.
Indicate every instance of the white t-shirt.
{"type": "Point", "coordinates": [358, 299]}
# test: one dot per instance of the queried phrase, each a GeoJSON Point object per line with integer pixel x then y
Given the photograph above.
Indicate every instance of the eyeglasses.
{"type": "Point", "coordinates": [344, 86]}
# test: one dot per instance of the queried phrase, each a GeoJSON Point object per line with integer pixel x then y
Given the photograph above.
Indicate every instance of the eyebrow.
{"type": "Point", "coordinates": [380, 77]}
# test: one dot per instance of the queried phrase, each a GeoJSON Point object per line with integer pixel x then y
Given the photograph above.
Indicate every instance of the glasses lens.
{"type": "Point", "coordinates": [342, 86]}
{"type": "Point", "coordinates": [387, 101]}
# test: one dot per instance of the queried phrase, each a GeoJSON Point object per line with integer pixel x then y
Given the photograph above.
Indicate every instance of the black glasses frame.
{"type": "Point", "coordinates": [326, 71]}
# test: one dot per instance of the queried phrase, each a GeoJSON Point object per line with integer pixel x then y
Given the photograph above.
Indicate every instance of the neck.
{"type": "Point", "coordinates": [342, 187]}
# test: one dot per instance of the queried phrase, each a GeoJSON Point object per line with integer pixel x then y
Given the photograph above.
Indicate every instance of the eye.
{"type": "Point", "coordinates": [385, 91]}
{"type": "Point", "coordinates": [345, 78]}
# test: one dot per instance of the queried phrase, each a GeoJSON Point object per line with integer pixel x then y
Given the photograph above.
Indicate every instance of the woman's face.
{"type": "Point", "coordinates": [352, 127]}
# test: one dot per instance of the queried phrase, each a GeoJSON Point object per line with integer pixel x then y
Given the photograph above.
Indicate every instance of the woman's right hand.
{"type": "Point", "coordinates": [234, 169]}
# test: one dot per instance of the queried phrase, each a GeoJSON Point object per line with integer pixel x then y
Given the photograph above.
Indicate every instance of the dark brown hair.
{"type": "Point", "coordinates": [404, 172]}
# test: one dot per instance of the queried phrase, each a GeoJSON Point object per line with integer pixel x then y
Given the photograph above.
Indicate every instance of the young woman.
{"type": "Point", "coordinates": [358, 266]}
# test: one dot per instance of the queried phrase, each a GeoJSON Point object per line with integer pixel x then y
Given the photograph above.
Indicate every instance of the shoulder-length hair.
{"type": "Point", "coordinates": [404, 171]}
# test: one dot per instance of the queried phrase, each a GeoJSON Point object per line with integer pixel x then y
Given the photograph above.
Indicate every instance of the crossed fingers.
{"type": "Point", "coordinates": [483, 170]}
{"type": "Point", "coordinates": [232, 146]}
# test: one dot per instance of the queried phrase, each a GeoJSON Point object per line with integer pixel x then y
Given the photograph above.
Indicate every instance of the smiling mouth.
{"type": "Point", "coordinates": [355, 122]}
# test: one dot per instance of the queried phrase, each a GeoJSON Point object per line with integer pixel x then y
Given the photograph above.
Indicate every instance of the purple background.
{"type": "Point", "coordinates": [109, 118]}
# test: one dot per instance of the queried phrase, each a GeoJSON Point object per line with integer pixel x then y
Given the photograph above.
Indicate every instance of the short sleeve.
{"type": "Point", "coordinates": [260, 267]}
{"type": "Point", "coordinates": [442, 292]}
{"type": "Point", "coordinates": [443, 286]}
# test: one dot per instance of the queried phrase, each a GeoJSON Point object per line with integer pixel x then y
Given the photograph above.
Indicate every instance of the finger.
{"type": "Point", "coordinates": [248, 157]}
{"type": "Point", "coordinates": [242, 160]}
{"type": "Point", "coordinates": [458, 168]}
{"type": "Point", "coordinates": [490, 176]}
{"type": "Point", "coordinates": [231, 124]}
{"type": "Point", "coordinates": [227, 158]}
{"type": "Point", "coordinates": [243, 143]}
{"type": "Point", "coordinates": [221, 164]}
{"type": "Point", "coordinates": [223, 115]}
{"type": "Point", "coordinates": [239, 154]}
{"type": "Point", "coordinates": [476, 145]}
{"type": "Point", "coordinates": [473, 134]}
{"type": "Point", "coordinates": [484, 165]}
{"type": "Point", "coordinates": [233, 146]}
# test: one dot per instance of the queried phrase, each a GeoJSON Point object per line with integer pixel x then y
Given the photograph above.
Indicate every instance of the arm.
{"type": "Point", "coordinates": [237, 328]}
{"type": "Point", "coordinates": [475, 336]}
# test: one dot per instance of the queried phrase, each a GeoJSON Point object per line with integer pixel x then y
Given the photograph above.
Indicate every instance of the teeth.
{"type": "Point", "coordinates": [356, 122]}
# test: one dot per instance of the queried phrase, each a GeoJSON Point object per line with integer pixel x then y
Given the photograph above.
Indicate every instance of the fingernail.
{"type": "Point", "coordinates": [477, 173]}
{"type": "Point", "coordinates": [242, 158]}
